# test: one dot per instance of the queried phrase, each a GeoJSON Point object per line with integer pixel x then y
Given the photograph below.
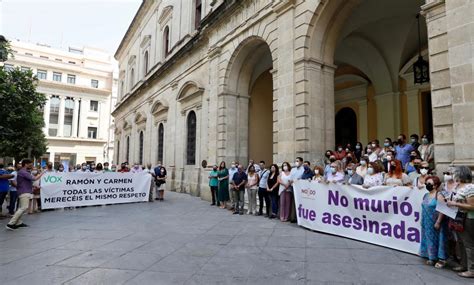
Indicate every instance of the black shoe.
{"type": "Point", "coordinates": [11, 227]}
{"type": "Point", "coordinates": [235, 213]}
{"type": "Point", "coordinates": [213, 204]}
{"type": "Point", "coordinates": [241, 213]}
{"type": "Point", "coordinates": [259, 214]}
{"type": "Point", "coordinates": [22, 225]}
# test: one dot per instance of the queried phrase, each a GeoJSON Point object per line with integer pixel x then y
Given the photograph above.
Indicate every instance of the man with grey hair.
{"type": "Point", "coordinates": [238, 184]}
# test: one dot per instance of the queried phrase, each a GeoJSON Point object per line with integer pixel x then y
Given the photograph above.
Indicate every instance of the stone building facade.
{"type": "Point", "coordinates": [231, 80]}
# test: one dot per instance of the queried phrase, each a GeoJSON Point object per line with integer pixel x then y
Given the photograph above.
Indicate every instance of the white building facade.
{"type": "Point", "coordinates": [80, 90]}
{"type": "Point", "coordinates": [226, 80]}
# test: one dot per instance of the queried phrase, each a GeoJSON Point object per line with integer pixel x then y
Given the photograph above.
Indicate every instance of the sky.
{"type": "Point", "coordinates": [63, 23]}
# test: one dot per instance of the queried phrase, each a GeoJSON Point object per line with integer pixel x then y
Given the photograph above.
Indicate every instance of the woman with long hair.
{"type": "Point", "coordinates": [285, 191]}
{"type": "Point", "coordinates": [396, 177]}
{"type": "Point", "coordinates": [272, 188]}
{"type": "Point", "coordinates": [223, 191]}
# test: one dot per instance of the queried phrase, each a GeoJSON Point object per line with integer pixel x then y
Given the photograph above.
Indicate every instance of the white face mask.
{"type": "Point", "coordinates": [285, 168]}
{"type": "Point", "coordinates": [232, 166]}
{"type": "Point", "coordinates": [389, 158]}
{"type": "Point", "coordinates": [357, 146]}
{"type": "Point", "coordinates": [297, 164]}
{"type": "Point", "coordinates": [363, 163]}
{"type": "Point", "coordinates": [339, 149]}
{"type": "Point", "coordinates": [349, 171]}
{"type": "Point", "coordinates": [374, 145]}
{"type": "Point", "coordinates": [333, 170]}
{"type": "Point", "coordinates": [34, 172]}
{"type": "Point", "coordinates": [370, 170]}
{"type": "Point", "coordinates": [316, 172]}
{"type": "Point", "coordinates": [424, 171]}
{"type": "Point", "coordinates": [448, 177]}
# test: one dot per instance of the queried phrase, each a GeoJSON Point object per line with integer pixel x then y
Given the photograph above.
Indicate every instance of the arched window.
{"type": "Point", "coordinates": [127, 152]}
{"type": "Point", "coordinates": [197, 13]}
{"type": "Point", "coordinates": [166, 40]}
{"type": "Point", "coordinates": [145, 59]}
{"type": "Point", "coordinates": [161, 137]}
{"type": "Point", "coordinates": [118, 152]}
{"type": "Point", "coordinates": [132, 78]}
{"type": "Point", "coordinates": [140, 150]}
{"type": "Point", "coordinates": [191, 139]}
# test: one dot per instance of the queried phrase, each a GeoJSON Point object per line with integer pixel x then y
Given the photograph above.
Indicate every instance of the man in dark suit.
{"type": "Point", "coordinates": [351, 175]}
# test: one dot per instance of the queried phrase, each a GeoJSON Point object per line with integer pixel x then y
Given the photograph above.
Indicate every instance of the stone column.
{"type": "Point", "coordinates": [75, 118]}
{"type": "Point", "coordinates": [83, 118]}
{"type": "Point", "coordinates": [61, 116]}
{"type": "Point", "coordinates": [46, 110]}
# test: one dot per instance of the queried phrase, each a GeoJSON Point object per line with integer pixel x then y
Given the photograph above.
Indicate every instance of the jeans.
{"type": "Point", "coordinates": [3, 195]}
{"type": "Point", "coordinates": [12, 206]}
{"type": "Point", "coordinates": [264, 196]}
{"type": "Point", "coordinates": [24, 202]}
{"type": "Point", "coordinates": [275, 201]}
{"type": "Point", "coordinates": [252, 196]}
{"type": "Point", "coordinates": [239, 196]}
{"type": "Point", "coordinates": [214, 194]}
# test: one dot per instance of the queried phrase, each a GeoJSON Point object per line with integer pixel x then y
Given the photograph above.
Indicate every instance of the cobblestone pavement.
{"type": "Point", "coordinates": [185, 241]}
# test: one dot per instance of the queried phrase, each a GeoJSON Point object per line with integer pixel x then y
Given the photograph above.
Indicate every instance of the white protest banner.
{"type": "Point", "coordinates": [73, 189]}
{"type": "Point", "coordinates": [443, 208]}
{"type": "Point", "coordinates": [387, 216]}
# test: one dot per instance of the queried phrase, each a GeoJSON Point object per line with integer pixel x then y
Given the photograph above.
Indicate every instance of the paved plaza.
{"type": "Point", "coordinates": [185, 241]}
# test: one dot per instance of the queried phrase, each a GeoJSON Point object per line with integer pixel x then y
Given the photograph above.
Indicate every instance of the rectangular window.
{"type": "Point", "coordinates": [71, 79]}
{"type": "Point", "coordinates": [95, 83]}
{"type": "Point", "coordinates": [94, 106]}
{"type": "Point", "coordinates": [58, 59]}
{"type": "Point", "coordinates": [27, 53]}
{"type": "Point", "coordinates": [41, 74]}
{"type": "Point", "coordinates": [72, 62]}
{"type": "Point", "coordinates": [92, 132]}
{"type": "Point", "coordinates": [8, 67]}
{"type": "Point", "coordinates": [45, 57]}
{"type": "Point", "coordinates": [25, 69]}
{"type": "Point", "coordinates": [57, 76]}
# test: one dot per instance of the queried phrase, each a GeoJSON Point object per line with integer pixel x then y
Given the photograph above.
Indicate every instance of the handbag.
{"type": "Point", "coordinates": [457, 224]}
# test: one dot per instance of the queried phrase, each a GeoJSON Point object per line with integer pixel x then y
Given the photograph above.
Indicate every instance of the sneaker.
{"type": "Point", "coordinates": [11, 227]}
{"type": "Point", "coordinates": [22, 225]}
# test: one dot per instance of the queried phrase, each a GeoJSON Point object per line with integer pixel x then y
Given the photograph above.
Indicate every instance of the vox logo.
{"type": "Point", "coordinates": [52, 179]}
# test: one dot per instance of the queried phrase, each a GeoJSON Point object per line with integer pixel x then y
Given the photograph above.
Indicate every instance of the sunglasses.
{"type": "Point", "coordinates": [424, 167]}
{"type": "Point", "coordinates": [446, 173]}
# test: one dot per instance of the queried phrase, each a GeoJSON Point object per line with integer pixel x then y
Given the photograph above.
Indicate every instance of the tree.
{"type": "Point", "coordinates": [21, 118]}
{"type": "Point", "coordinates": [5, 49]}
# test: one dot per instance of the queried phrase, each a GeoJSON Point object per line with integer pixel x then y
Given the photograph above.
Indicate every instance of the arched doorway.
{"type": "Point", "coordinates": [346, 126]}
{"type": "Point", "coordinates": [249, 86]}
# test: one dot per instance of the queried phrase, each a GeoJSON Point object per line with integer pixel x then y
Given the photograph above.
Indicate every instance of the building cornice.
{"type": "Point", "coordinates": [72, 87]}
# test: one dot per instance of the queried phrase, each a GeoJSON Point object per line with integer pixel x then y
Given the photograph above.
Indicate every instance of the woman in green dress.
{"type": "Point", "coordinates": [223, 191]}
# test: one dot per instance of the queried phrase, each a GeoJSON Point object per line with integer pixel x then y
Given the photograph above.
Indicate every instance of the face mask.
{"type": "Point", "coordinates": [349, 158]}
{"type": "Point", "coordinates": [339, 149]}
{"type": "Point", "coordinates": [232, 166]}
{"type": "Point", "coordinates": [424, 141]}
{"type": "Point", "coordinates": [369, 151]}
{"type": "Point", "coordinates": [114, 169]}
{"type": "Point", "coordinates": [316, 172]}
{"type": "Point", "coordinates": [424, 171]}
{"type": "Point", "coordinates": [332, 159]}
{"type": "Point", "coordinates": [297, 163]}
{"type": "Point", "coordinates": [389, 158]}
{"type": "Point", "coordinates": [374, 145]}
{"type": "Point", "coordinates": [393, 165]}
{"type": "Point", "coordinates": [348, 150]}
{"type": "Point", "coordinates": [386, 144]}
{"type": "Point", "coordinates": [363, 163]}
{"type": "Point", "coordinates": [84, 167]}
{"type": "Point", "coordinates": [448, 177]}
{"type": "Point", "coordinates": [333, 170]}
{"type": "Point", "coordinates": [413, 140]}
{"type": "Point", "coordinates": [357, 146]}
{"type": "Point", "coordinates": [429, 186]}
{"type": "Point", "coordinates": [349, 171]}
{"type": "Point", "coordinates": [215, 168]}
{"type": "Point", "coordinates": [61, 169]}
{"type": "Point", "coordinates": [370, 171]}
{"type": "Point", "coordinates": [412, 157]}
{"type": "Point", "coordinates": [34, 172]}
{"type": "Point", "coordinates": [285, 168]}
{"type": "Point", "coordinates": [400, 141]}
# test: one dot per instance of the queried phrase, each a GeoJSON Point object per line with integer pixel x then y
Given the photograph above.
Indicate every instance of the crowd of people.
{"type": "Point", "coordinates": [444, 241]}
{"type": "Point", "coordinates": [20, 184]}
{"type": "Point", "coordinates": [395, 163]}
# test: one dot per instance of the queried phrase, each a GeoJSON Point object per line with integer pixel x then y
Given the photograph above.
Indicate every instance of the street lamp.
{"type": "Point", "coordinates": [420, 67]}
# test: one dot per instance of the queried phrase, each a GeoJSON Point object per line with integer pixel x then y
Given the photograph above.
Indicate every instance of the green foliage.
{"type": "Point", "coordinates": [5, 49]}
{"type": "Point", "coordinates": [21, 120]}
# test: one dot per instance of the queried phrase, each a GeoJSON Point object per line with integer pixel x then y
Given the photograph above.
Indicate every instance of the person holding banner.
{"type": "Point", "coordinates": [434, 227]}
{"type": "Point", "coordinates": [318, 174]}
{"type": "Point", "coordinates": [352, 177]}
{"type": "Point", "coordinates": [337, 174]}
{"type": "Point", "coordinates": [464, 200]}
{"type": "Point", "coordinates": [284, 180]}
{"type": "Point", "coordinates": [374, 176]}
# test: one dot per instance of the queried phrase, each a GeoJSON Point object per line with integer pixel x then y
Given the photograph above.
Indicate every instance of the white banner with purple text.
{"type": "Point", "coordinates": [74, 189]}
{"type": "Point", "coordinates": [386, 216]}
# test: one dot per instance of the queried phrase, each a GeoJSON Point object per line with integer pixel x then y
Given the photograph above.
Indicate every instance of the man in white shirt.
{"type": "Point", "coordinates": [263, 194]}
{"type": "Point", "coordinates": [232, 170]}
